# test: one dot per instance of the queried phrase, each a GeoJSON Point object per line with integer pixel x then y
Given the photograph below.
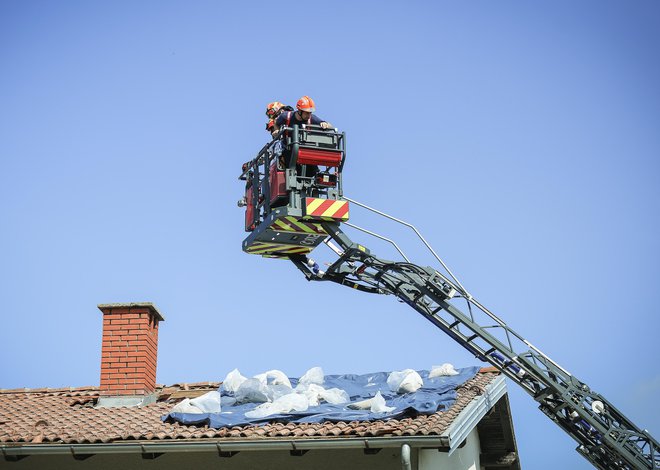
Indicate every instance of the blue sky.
{"type": "Point", "coordinates": [521, 138]}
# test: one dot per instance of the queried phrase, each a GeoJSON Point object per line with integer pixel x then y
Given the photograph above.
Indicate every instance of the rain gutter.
{"type": "Point", "coordinates": [223, 447]}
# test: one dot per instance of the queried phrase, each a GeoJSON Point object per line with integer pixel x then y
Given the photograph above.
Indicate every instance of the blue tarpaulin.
{"type": "Point", "coordinates": [436, 394]}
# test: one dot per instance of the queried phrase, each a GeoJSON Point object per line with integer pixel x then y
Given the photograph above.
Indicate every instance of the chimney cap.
{"type": "Point", "coordinates": [152, 308]}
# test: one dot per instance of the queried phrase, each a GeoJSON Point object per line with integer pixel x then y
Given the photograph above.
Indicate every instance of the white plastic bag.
{"type": "Point", "coordinates": [184, 406]}
{"type": "Point", "coordinates": [335, 396]}
{"type": "Point", "coordinates": [312, 392]}
{"type": "Point", "coordinates": [445, 369]}
{"type": "Point", "coordinates": [404, 381]}
{"type": "Point", "coordinates": [378, 404]}
{"type": "Point", "coordinates": [293, 402]}
{"type": "Point", "coordinates": [233, 380]}
{"type": "Point", "coordinates": [261, 411]}
{"type": "Point", "coordinates": [276, 391]}
{"type": "Point", "coordinates": [208, 403]}
{"type": "Point", "coordinates": [252, 391]}
{"type": "Point", "coordinates": [226, 401]}
{"type": "Point", "coordinates": [374, 404]}
{"type": "Point", "coordinates": [284, 404]}
{"type": "Point", "coordinates": [274, 377]}
{"type": "Point", "coordinates": [313, 376]}
{"type": "Point", "coordinates": [361, 405]}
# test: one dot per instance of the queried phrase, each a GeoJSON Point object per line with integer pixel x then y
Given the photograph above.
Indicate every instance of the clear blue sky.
{"type": "Point", "coordinates": [522, 138]}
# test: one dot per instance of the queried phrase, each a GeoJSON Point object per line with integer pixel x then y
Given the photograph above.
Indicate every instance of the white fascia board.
{"type": "Point", "coordinates": [468, 419]}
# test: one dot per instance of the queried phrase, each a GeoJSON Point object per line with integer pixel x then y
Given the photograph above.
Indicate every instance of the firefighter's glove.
{"type": "Point", "coordinates": [326, 125]}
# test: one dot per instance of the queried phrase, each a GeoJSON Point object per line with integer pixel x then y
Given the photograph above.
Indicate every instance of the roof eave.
{"type": "Point", "coordinates": [470, 416]}
{"type": "Point", "coordinates": [217, 445]}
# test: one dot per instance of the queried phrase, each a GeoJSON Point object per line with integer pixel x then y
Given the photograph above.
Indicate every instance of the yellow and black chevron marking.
{"type": "Point", "coordinates": [293, 225]}
{"type": "Point", "coordinates": [261, 248]}
{"type": "Point", "coordinates": [326, 209]}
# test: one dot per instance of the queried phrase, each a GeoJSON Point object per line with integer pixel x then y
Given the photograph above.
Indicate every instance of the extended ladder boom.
{"type": "Point", "coordinates": [604, 435]}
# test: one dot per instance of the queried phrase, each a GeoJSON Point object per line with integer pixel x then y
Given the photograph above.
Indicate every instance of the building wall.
{"type": "Point", "coordinates": [464, 458]}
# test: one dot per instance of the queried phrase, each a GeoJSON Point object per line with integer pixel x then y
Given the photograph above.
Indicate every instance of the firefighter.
{"type": "Point", "coordinates": [273, 110]}
{"type": "Point", "coordinates": [304, 115]}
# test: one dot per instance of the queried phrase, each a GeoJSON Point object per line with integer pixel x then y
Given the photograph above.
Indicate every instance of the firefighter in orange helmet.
{"type": "Point", "coordinates": [273, 110]}
{"type": "Point", "coordinates": [304, 115]}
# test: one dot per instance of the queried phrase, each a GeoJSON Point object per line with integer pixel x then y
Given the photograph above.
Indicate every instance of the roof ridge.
{"type": "Point", "coordinates": [90, 388]}
{"type": "Point", "coordinates": [159, 387]}
{"type": "Point", "coordinates": [96, 388]}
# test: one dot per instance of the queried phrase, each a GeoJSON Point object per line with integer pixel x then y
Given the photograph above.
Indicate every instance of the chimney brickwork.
{"type": "Point", "coordinates": [130, 348]}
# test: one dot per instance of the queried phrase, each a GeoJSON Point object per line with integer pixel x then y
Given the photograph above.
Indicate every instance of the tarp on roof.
{"type": "Point", "coordinates": [436, 394]}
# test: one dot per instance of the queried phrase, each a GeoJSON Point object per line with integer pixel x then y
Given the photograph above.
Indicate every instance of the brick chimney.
{"type": "Point", "coordinates": [130, 350]}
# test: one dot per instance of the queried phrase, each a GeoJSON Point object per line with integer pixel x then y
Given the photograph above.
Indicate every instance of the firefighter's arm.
{"type": "Point", "coordinates": [276, 126]}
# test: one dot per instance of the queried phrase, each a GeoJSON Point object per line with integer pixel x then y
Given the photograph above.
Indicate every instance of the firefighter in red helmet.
{"type": "Point", "coordinates": [304, 115]}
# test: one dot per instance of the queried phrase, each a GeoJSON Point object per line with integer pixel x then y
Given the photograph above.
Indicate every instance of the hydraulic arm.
{"type": "Point", "coordinates": [292, 207]}
{"type": "Point", "coordinates": [604, 435]}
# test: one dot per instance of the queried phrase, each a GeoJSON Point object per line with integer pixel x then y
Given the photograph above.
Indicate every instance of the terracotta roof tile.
{"type": "Point", "coordinates": [67, 415]}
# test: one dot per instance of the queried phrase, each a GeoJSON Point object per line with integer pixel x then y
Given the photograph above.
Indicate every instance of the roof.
{"type": "Point", "coordinates": [68, 416]}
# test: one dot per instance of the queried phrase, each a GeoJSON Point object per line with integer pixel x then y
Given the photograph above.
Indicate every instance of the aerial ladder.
{"type": "Point", "coordinates": [292, 206]}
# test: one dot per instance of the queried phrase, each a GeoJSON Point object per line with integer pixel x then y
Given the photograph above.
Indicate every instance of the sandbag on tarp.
{"type": "Point", "coordinates": [436, 394]}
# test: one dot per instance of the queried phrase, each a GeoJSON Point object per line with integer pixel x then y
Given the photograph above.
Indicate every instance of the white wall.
{"type": "Point", "coordinates": [465, 458]}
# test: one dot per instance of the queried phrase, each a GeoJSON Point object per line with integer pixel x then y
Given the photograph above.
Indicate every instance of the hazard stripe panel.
{"type": "Point", "coordinates": [261, 248]}
{"type": "Point", "coordinates": [293, 225]}
{"type": "Point", "coordinates": [326, 209]}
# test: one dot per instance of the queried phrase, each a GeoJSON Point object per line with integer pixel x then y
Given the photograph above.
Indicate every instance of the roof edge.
{"type": "Point", "coordinates": [149, 447]}
{"type": "Point", "coordinates": [470, 416]}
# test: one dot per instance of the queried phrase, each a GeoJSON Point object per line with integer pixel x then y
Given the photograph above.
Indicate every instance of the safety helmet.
{"type": "Point", "coordinates": [306, 104]}
{"type": "Point", "coordinates": [273, 108]}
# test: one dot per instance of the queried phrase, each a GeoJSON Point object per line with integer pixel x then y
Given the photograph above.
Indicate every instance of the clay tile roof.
{"type": "Point", "coordinates": [67, 415]}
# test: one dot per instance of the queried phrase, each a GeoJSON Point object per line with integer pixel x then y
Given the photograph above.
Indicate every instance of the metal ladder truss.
{"type": "Point", "coordinates": [604, 435]}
